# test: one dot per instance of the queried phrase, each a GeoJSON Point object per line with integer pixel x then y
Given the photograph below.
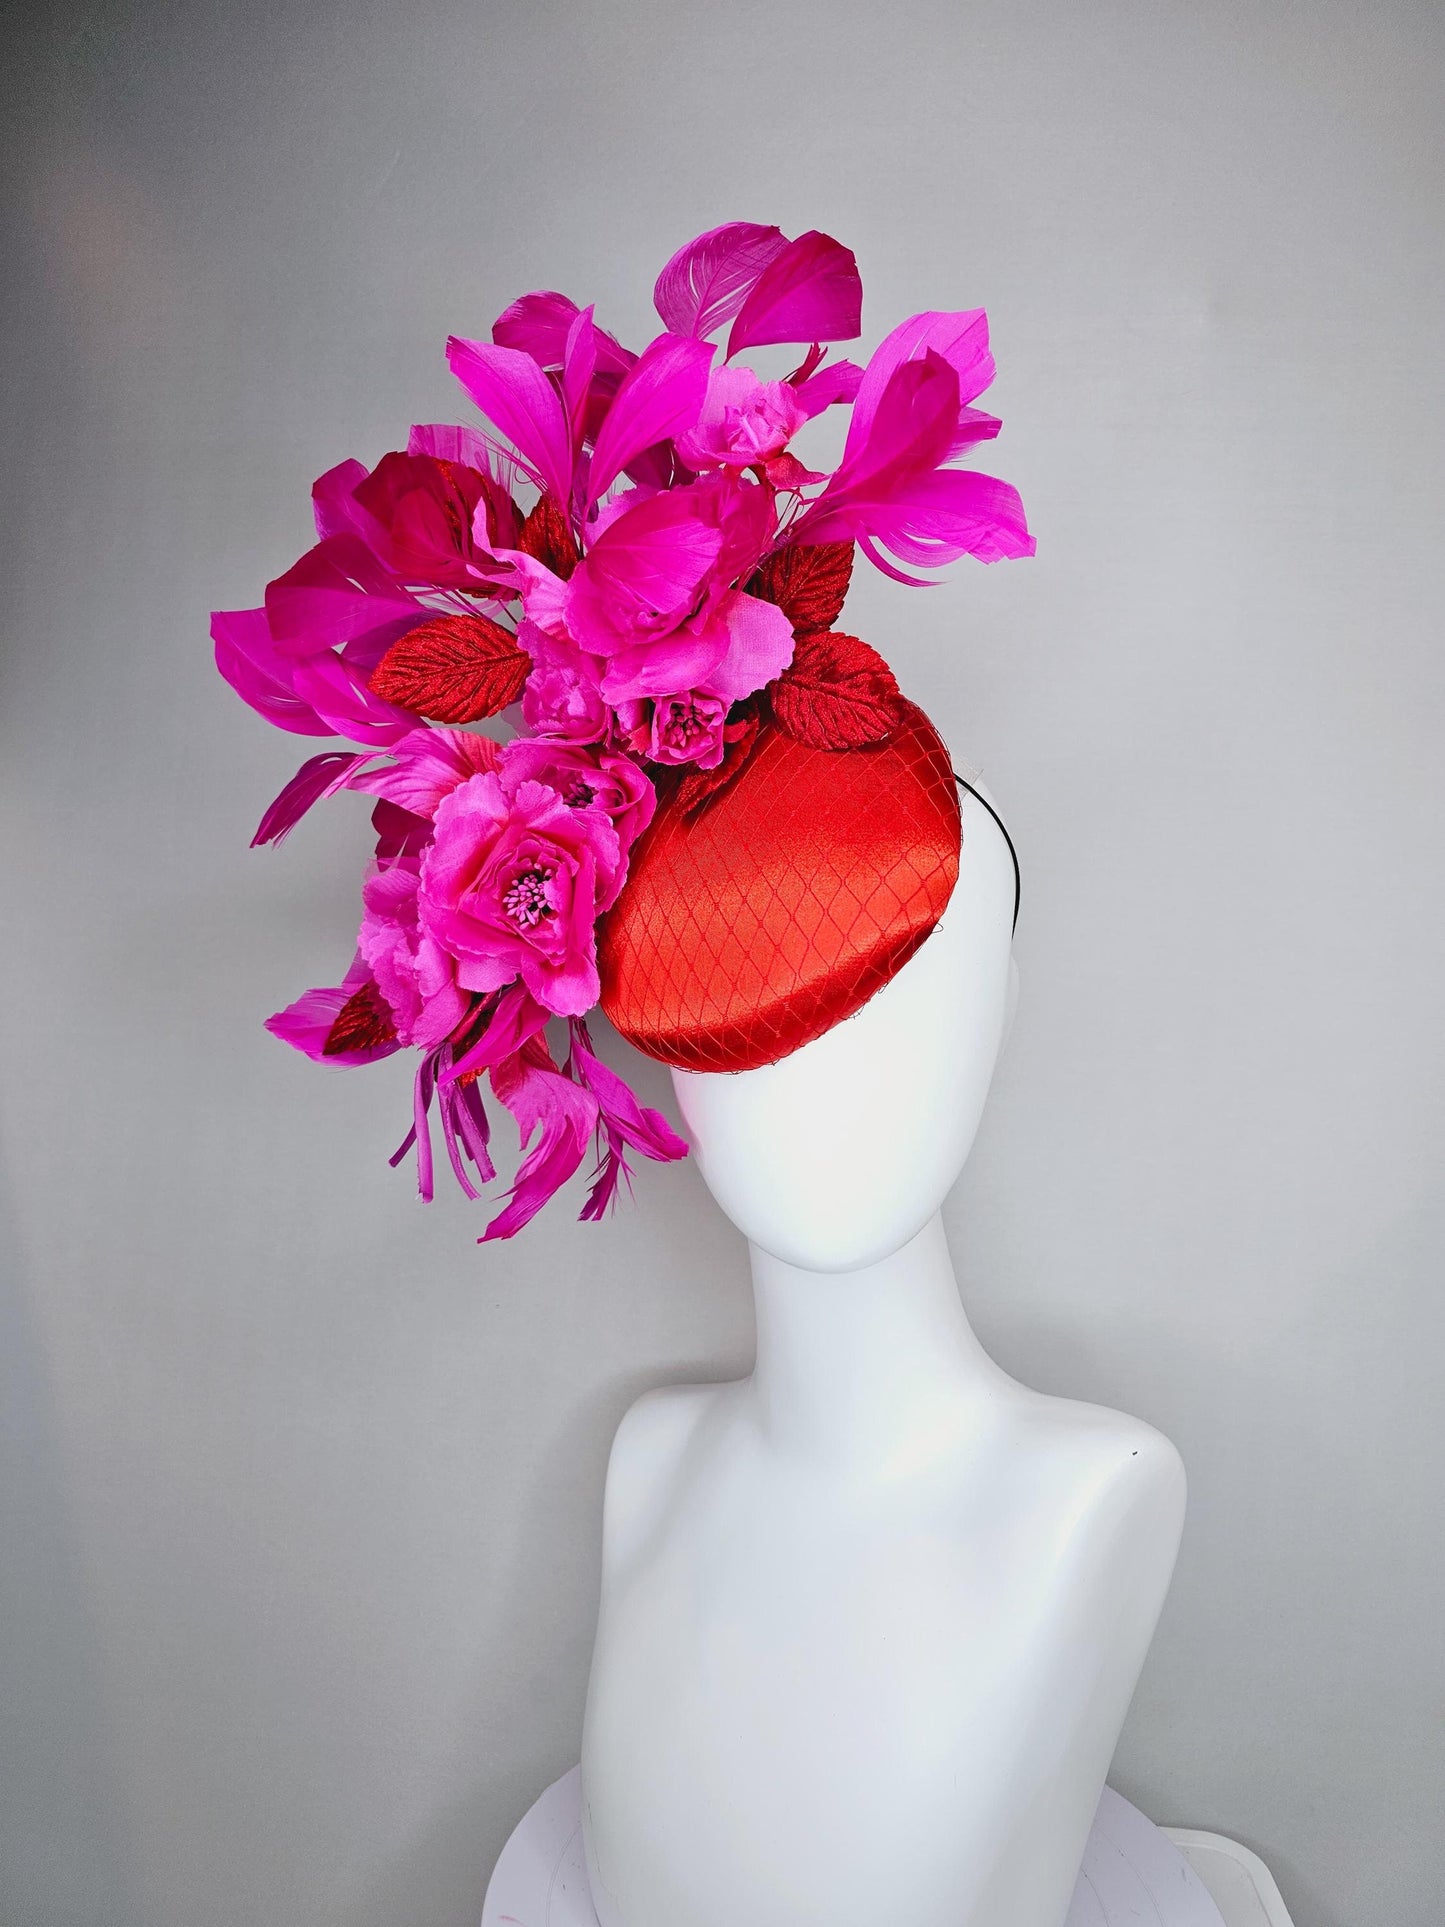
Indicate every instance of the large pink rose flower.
{"type": "Point", "coordinates": [584, 777]}
{"type": "Point", "coordinates": [513, 886]}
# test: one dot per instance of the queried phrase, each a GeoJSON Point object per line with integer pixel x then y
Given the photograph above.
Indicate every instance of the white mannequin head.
{"type": "Point", "coordinates": [837, 1155]}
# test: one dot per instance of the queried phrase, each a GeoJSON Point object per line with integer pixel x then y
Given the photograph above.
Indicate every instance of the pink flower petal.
{"type": "Point", "coordinates": [811, 292]}
{"type": "Point", "coordinates": [708, 280]}
{"type": "Point", "coordinates": [760, 647]}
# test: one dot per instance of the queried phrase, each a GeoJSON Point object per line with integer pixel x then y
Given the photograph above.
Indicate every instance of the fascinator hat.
{"type": "Point", "coordinates": [586, 657]}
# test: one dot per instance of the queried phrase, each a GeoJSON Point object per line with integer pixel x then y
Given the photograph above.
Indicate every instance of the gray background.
{"type": "Point", "coordinates": [298, 1524]}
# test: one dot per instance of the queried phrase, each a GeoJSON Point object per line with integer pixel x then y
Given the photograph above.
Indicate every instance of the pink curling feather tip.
{"type": "Point", "coordinates": [603, 567]}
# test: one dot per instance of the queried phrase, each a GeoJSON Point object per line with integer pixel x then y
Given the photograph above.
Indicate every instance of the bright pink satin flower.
{"type": "Point", "coordinates": [415, 975]}
{"type": "Point", "coordinates": [563, 697]}
{"type": "Point", "coordinates": [677, 729]}
{"type": "Point", "coordinates": [653, 599]}
{"type": "Point", "coordinates": [744, 421]}
{"type": "Point", "coordinates": [585, 778]}
{"type": "Point", "coordinates": [513, 885]}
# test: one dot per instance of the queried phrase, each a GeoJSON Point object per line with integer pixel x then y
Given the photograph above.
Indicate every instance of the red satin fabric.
{"type": "Point", "coordinates": [785, 903]}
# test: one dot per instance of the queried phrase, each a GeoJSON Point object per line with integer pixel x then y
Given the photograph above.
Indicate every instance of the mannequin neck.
{"type": "Point", "coordinates": [879, 1364]}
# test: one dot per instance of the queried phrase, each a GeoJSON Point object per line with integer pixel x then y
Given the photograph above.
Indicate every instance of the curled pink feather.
{"type": "Point", "coordinates": [812, 291]}
{"type": "Point", "coordinates": [708, 280]}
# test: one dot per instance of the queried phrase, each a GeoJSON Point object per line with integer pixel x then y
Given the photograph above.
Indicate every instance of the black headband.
{"type": "Point", "coordinates": [964, 783]}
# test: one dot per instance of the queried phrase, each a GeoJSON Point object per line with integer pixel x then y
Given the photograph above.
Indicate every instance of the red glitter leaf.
{"type": "Point", "coordinates": [547, 536]}
{"type": "Point", "coordinates": [364, 1022]}
{"type": "Point", "coordinates": [808, 581]}
{"type": "Point", "coordinates": [453, 669]}
{"type": "Point", "coordinates": [837, 693]}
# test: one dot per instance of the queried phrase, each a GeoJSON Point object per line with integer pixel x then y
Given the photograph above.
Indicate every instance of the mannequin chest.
{"type": "Point", "coordinates": [949, 1590]}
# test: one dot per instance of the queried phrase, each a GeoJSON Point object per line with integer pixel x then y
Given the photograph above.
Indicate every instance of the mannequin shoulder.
{"type": "Point", "coordinates": [655, 1428]}
{"type": "Point", "coordinates": [1116, 1463]}
{"type": "Point", "coordinates": [647, 1455]}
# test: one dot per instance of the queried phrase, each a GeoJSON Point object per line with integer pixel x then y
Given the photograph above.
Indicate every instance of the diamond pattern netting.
{"type": "Point", "coordinates": [785, 903]}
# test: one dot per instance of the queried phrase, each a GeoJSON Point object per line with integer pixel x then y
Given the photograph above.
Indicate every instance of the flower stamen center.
{"type": "Point", "coordinates": [525, 899]}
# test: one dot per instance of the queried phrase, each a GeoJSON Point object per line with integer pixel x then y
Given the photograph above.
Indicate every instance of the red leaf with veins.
{"type": "Point", "coordinates": [808, 581]}
{"type": "Point", "coordinates": [837, 693]}
{"type": "Point", "coordinates": [453, 669]}
{"type": "Point", "coordinates": [364, 1022]}
{"type": "Point", "coordinates": [547, 537]}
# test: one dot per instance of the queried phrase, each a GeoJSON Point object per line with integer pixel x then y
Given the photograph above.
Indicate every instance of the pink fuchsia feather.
{"type": "Point", "coordinates": [332, 506]}
{"type": "Point", "coordinates": [708, 280]}
{"type": "Point", "coordinates": [656, 400]}
{"type": "Point", "coordinates": [320, 776]}
{"type": "Point", "coordinates": [622, 1124]}
{"type": "Point", "coordinates": [940, 517]}
{"type": "Point", "coordinates": [260, 674]}
{"type": "Point", "coordinates": [810, 292]}
{"type": "Point", "coordinates": [450, 444]}
{"type": "Point", "coordinates": [643, 575]}
{"type": "Point", "coordinates": [458, 1143]}
{"type": "Point", "coordinates": [399, 834]}
{"type": "Point", "coordinates": [338, 593]}
{"type": "Point", "coordinates": [554, 1111]}
{"type": "Point", "coordinates": [340, 694]}
{"type": "Point", "coordinates": [538, 324]}
{"type": "Point", "coordinates": [472, 1124]}
{"type": "Point", "coordinates": [891, 493]}
{"type": "Point", "coordinates": [579, 369]}
{"type": "Point", "coordinates": [959, 337]}
{"type": "Point", "coordinates": [306, 1024]}
{"type": "Point", "coordinates": [465, 1129]}
{"type": "Point", "coordinates": [516, 397]}
{"type": "Point", "coordinates": [515, 1019]}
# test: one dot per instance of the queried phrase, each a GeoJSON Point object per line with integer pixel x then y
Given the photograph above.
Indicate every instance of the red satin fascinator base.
{"type": "Point", "coordinates": [757, 922]}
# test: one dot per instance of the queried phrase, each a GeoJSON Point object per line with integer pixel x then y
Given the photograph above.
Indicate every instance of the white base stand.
{"type": "Point", "coordinates": [1133, 1871]}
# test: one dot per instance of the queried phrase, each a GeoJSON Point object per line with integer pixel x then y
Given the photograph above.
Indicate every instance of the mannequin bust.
{"type": "Point", "coordinates": [872, 1617]}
